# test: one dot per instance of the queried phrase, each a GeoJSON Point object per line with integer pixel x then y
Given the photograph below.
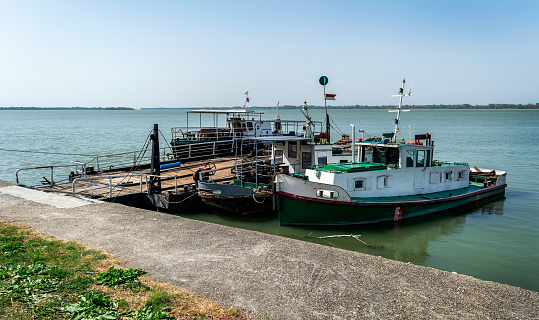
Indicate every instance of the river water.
{"type": "Point", "coordinates": [496, 240]}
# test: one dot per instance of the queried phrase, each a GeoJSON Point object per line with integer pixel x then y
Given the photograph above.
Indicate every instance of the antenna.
{"type": "Point", "coordinates": [399, 109]}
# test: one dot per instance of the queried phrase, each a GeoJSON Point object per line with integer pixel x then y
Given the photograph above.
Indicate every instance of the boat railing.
{"type": "Point", "coordinates": [113, 182]}
{"type": "Point", "coordinates": [180, 134]}
{"type": "Point", "coordinates": [436, 163]}
{"type": "Point", "coordinates": [248, 171]}
{"type": "Point", "coordinates": [98, 164]}
{"type": "Point", "coordinates": [294, 127]}
{"type": "Point", "coordinates": [103, 186]}
{"type": "Point", "coordinates": [203, 149]}
{"type": "Point", "coordinates": [279, 127]}
{"type": "Point", "coordinates": [45, 182]}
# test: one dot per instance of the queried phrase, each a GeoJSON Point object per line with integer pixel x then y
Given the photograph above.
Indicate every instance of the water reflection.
{"type": "Point", "coordinates": [406, 241]}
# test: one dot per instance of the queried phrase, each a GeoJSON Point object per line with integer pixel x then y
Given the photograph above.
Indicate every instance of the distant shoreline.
{"type": "Point", "coordinates": [491, 106]}
{"type": "Point", "coordinates": [360, 107]}
{"type": "Point", "coordinates": [66, 108]}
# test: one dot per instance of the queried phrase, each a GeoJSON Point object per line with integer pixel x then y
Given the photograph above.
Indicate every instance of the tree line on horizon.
{"type": "Point", "coordinates": [66, 108]}
{"type": "Point", "coordinates": [429, 106]}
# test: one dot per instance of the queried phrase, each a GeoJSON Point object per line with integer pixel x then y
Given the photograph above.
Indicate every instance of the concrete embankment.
{"type": "Point", "coordinates": [267, 276]}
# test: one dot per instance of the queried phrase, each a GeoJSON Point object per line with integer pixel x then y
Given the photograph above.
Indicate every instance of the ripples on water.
{"type": "Point", "coordinates": [495, 241]}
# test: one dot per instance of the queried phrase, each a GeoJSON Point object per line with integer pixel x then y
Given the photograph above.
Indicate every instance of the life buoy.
{"type": "Point", "coordinates": [375, 141]}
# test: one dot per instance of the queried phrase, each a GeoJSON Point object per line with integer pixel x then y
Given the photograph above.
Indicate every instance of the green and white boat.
{"type": "Point", "coordinates": [390, 180]}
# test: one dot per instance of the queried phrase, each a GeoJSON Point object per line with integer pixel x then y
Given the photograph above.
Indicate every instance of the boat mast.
{"type": "Point", "coordinates": [323, 81]}
{"type": "Point", "coordinates": [399, 109]}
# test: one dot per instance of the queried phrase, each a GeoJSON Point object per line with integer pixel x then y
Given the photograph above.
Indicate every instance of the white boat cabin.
{"type": "Point", "coordinates": [294, 155]}
{"type": "Point", "coordinates": [393, 169]}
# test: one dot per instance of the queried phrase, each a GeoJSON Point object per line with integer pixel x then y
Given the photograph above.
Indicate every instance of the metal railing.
{"type": "Point", "coordinates": [278, 127]}
{"type": "Point", "coordinates": [111, 187]}
{"type": "Point", "coordinates": [143, 181]}
{"type": "Point", "coordinates": [98, 164]}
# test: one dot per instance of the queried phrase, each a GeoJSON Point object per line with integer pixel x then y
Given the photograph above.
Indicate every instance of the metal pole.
{"type": "Point", "coordinates": [256, 164]}
{"type": "Point", "coordinates": [155, 170]}
{"type": "Point", "coordinates": [353, 142]}
{"type": "Point", "coordinates": [110, 187]}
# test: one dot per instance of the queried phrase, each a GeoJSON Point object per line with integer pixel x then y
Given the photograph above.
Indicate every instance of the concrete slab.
{"type": "Point", "coordinates": [51, 199]}
{"type": "Point", "coordinates": [268, 276]}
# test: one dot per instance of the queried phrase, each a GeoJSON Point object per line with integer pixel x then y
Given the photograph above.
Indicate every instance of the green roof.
{"type": "Point", "coordinates": [352, 167]}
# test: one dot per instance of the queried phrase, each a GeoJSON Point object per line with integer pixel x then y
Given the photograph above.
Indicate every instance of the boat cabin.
{"type": "Point", "coordinates": [393, 169]}
{"type": "Point", "coordinates": [418, 154]}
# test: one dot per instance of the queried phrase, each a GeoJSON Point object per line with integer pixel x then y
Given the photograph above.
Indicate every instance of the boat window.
{"type": "Point", "coordinates": [292, 150]}
{"type": "Point", "coordinates": [428, 158]}
{"type": "Point", "coordinates": [322, 161]}
{"type": "Point", "coordinates": [305, 160]}
{"type": "Point", "coordinates": [448, 175]}
{"type": "Point", "coordinates": [461, 175]}
{"type": "Point", "coordinates": [278, 156]}
{"type": "Point", "coordinates": [250, 125]}
{"type": "Point", "coordinates": [383, 182]}
{"type": "Point", "coordinates": [434, 177]}
{"type": "Point", "coordinates": [379, 155]}
{"type": "Point", "coordinates": [359, 184]}
{"type": "Point", "coordinates": [366, 154]}
{"type": "Point", "coordinates": [409, 158]}
{"type": "Point", "coordinates": [420, 159]}
{"type": "Point", "coordinates": [327, 194]}
{"type": "Point", "coordinates": [394, 155]}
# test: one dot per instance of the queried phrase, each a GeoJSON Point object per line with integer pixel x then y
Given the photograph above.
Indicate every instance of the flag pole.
{"type": "Point", "coordinates": [323, 81]}
{"type": "Point", "coordinates": [327, 116]}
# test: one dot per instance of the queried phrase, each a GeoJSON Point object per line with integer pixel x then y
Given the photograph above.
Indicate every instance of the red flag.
{"type": "Point", "coordinates": [330, 96]}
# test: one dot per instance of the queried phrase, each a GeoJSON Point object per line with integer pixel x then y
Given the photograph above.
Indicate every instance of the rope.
{"type": "Point", "coordinates": [260, 202]}
{"type": "Point", "coordinates": [129, 174]}
{"type": "Point", "coordinates": [336, 127]}
{"type": "Point", "coordinates": [194, 193]}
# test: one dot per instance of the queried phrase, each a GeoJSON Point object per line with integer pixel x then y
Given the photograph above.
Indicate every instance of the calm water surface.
{"type": "Point", "coordinates": [496, 240]}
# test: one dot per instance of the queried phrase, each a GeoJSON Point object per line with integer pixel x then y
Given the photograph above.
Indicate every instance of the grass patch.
{"type": "Point", "coordinates": [43, 278]}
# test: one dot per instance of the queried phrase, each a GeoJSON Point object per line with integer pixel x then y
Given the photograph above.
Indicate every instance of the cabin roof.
{"type": "Point", "coordinates": [392, 145]}
{"type": "Point", "coordinates": [352, 167]}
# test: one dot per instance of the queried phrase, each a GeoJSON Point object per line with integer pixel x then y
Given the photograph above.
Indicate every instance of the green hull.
{"type": "Point", "coordinates": [296, 210]}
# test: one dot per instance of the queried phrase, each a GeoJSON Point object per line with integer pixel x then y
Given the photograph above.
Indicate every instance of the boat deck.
{"type": "Point", "coordinates": [124, 182]}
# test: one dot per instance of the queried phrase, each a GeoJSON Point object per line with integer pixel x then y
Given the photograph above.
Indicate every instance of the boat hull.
{"type": "Point", "coordinates": [235, 199]}
{"type": "Point", "coordinates": [240, 204]}
{"type": "Point", "coordinates": [301, 210]}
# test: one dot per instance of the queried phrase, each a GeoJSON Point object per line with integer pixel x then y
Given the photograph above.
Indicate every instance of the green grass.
{"type": "Point", "coordinates": [42, 278]}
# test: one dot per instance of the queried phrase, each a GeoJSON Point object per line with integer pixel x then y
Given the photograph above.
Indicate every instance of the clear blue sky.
{"type": "Point", "coordinates": [208, 53]}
